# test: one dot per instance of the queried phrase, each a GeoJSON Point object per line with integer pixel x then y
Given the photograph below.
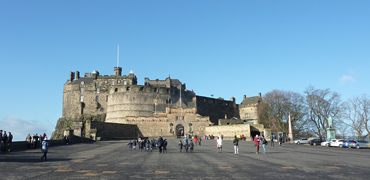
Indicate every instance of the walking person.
{"type": "Point", "coordinates": [200, 140]}
{"type": "Point", "coordinates": [280, 141]}
{"type": "Point", "coordinates": [236, 145]}
{"type": "Point", "coordinates": [180, 146]}
{"type": "Point", "coordinates": [186, 146]}
{"type": "Point", "coordinates": [256, 143]}
{"type": "Point", "coordinates": [219, 144]}
{"type": "Point", "coordinates": [264, 143]}
{"type": "Point", "coordinates": [130, 144]}
{"type": "Point", "coordinates": [165, 145]}
{"type": "Point", "coordinates": [44, 148]}
{"type": "Point", "coordinates": [191, 146]}
{"type": "Point", "coordinates": [272, 140]}
{"type": "Point", "coordinates": [134, 144]}
{"type": "Point", "coordinates": [148, 145]}
{"type": "Point", "coordinates": [160, 143]}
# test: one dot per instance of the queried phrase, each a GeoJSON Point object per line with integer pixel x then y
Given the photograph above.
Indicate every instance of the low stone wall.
{"type": "Point", "coordinates": [115, 131]}
{"type": "Point", "coordinates": [229, 131]}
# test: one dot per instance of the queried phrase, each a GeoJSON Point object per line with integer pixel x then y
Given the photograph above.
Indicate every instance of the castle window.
{"type": "Point", "coordinates": [115, 90]}
{"type": "Point", "coordinates": [97, 90]}
{"type": "Point", "coordinates": [155, 89]}
{"type": "Point", "coordinates": [128, 89]}
{"type": "Point", "coordinates": [82, 83]}
{"type": "Point", "coordinates": [111, 82]}
{"type": "Point", "coordinates": [66, 99]}
{"type": "Point", "coordinates": [81, 98]}
{"type": "Point", "coordinates": [99, 83]}
{"type": "Point", "coordinates": [227, 104]}
{"type": "Point", "coordinates": [124, 82]}
{"type": "Point", "coordinates": [142, 89]}
{"type": "Point", "coordinates": [82, 90]}
{"type": "Point", "coordinates": [168, 91]}
{"type": "Point", "coordinates": [97, 98]}
{"type": "Point", "coordinates": [205, 100]}
{"type": "Point", "coordinates": [119, 82]}
{"type": "Point", "coordinates": [106, 98]}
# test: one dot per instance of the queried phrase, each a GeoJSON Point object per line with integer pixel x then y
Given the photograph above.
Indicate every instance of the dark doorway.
{"type": "Point", "coordinates": [179, 130]}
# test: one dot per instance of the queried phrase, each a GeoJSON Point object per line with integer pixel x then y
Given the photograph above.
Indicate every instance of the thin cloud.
{"type": "Point", "coordinates": [20, 128]}
{"type": "Point", "coordinates": [346, 79]}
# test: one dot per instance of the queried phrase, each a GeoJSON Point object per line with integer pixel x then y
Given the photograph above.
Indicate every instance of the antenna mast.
{"type": "Point", "coordinates": [118, 57]}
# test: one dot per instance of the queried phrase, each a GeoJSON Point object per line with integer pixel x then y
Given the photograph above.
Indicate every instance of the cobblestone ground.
{"type": "Point", "coordinates": [113, 160]}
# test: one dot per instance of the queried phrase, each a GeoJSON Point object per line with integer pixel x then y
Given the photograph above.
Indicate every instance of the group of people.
{"type": "Point", "coordinates": [35, 139]}
{"type": "Point", "coordinates": [148, 145]}
{"type": "Point", "coordinates": [5, 141]}
{"type": "Point", "coordinates": [185, 144]}
{"type": "Point", "coordinates": [262, 141]}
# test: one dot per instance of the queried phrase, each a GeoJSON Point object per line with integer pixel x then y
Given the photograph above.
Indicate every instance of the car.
{"type": "Point", "coordinates": [336, 143]}
{"type": "Point", "coordinates": [301, 141]}
{"type": "Point", "coordinates": [359, 144]}
{"type": "Point", "coordinates": [325, 143]}
{"type": "Point", "coordinates": [347, 143]}
{"type": "Point", "coordinates": [315, 142]}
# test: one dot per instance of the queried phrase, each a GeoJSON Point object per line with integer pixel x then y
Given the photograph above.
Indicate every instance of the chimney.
{"type": "Point", "coordinates": [259, 94]}
{"type": "Point", "coordinates": [232, 99]}
{"type": "Point", "coordinates": [77, 75]}
{"type": "Point", "coordinates": [245, 97]}
{"type": "Point", "coordinates": [71, 76]}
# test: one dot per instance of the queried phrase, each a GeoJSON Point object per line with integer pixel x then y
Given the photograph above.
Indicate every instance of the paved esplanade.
{"type": "Point", "coordinates": [112, 160]}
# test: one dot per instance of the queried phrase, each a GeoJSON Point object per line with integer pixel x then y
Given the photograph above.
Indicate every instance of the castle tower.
{"type": "Point", "coordinates": [118, 71]}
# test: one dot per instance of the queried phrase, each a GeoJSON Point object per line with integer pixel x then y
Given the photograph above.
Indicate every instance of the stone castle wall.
{"type": "Point", "coordinates": [109, 131]}
{"type": "Point", "coordinates": [229, 131]}
{"type": "Point", "coordinates": [165, 123]}
{"type": "Point", "coordinates": [216, 108]}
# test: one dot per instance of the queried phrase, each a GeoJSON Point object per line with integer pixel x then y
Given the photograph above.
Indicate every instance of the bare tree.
{"type": "Point", "coordinates": [320, 105]}
{"type": "Point", "coordinates": [357, 115]}
{"type": "Point", "coordinates": [354, 116]}
{"type": "Point", "coordinates": [275, 108]}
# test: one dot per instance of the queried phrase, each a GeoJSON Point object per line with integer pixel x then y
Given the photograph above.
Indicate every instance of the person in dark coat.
{"type": "Point", "coordinates": [44, 148]}
{"type": "Point", "coordinates": [5, 140]}
{"type": "Point", "coordinates": [186, 146]}
{"type": "Point", "coordinates": [180, 146]}
{"type": "Point", "coordinates": [129, 144]}
{"type": "Point", "coordinates": [191, 145]}
{"type": "Point", "coordinates": [141, 145]}
{"type": "Point", "coordinates": [134, 144]}
{"type": "Point", "coordinates": [160, 143]}
{"type": "Point", "coordinates": [10, 139]}
{"type": "Point", "coordinates": [147, 145]}
{"type": "Point", "coordinates": [165, 145]}
{"type": "Point", "coordinates": [280, 141]}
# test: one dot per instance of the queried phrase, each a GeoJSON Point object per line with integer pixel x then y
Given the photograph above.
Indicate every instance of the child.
{"type": "Point", "coordinates": [191, 146]}
{"type": "Point", "coordinates": [129, 144]}
{"type": "Point", "coordinates": [180, 145]}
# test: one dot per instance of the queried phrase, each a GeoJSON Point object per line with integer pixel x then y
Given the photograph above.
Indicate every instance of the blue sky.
{"type": "Point", "coordinates": [225, 48]}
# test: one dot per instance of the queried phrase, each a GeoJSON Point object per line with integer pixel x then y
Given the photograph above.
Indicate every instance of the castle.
{"type": "Point", "coordinates": [159, 107]}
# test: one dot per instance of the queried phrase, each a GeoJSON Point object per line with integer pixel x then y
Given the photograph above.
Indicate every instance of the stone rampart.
{"type": "Point", "coordinates": [229, 131]}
